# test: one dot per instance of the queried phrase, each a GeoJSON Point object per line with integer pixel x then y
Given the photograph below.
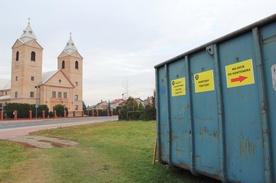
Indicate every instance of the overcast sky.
{"type": "Point", "coordinates": [121, 41]}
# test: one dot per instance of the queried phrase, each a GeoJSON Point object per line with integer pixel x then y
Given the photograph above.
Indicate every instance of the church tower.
{"type": "Point", "coordinates": [26, 72]}
{"type": "Point", "coordinates": [70, 62]}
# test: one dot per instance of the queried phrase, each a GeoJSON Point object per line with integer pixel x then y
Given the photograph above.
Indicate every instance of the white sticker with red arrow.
{"type": "Point", "coordinates": [240, 74]}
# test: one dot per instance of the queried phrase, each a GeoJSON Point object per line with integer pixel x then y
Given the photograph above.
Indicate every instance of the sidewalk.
{"type": "Point", "coordinates": [41, 119]}
{"type": "Point", "coordinates": [10, 133]}
{"type": "Point", "coordinates": [20, 120]}
{"type": "Point", "coordinates": [15, 132]}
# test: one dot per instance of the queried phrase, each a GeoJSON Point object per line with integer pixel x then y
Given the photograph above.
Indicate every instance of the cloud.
{"type": "Point", "coordinates": [123, 39]}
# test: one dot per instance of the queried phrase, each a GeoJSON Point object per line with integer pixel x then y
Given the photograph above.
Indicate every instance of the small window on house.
{"type": "Point", "coordinates": [76, 65]}
{"type": "Point", "coordinates": [76, 107]}
{"type": "Point", "coordinates": [77, 83]}
{"type": "Point", "coordinates": [65, 95]}
{"type": "Point", "coordinates": [59, 94]}
{"type": "Point", "coordinates": [16, 78]}
{"type": "Point", "coordinates": [53, 94]}
{"type": "Point", "coordinates": [33, 56]}
{"type": "Point", "coordinates": [63, 64]}
{"type": "Point", "coordinates": [32, 94]}
{"type": "Point", "coordinates": [76, 97]}
{"type": "Point", "coordinates": [32, 78]}
{"type": "Point", "coordinates": [16, 94]}
{"type": "Point", "coordinates": [17, 56]}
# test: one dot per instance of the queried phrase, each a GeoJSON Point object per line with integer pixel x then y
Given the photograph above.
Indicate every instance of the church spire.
{"type": "Point", "coordinates": [70, 46]}
{"type": "Point", "coordinates": [28, 34]}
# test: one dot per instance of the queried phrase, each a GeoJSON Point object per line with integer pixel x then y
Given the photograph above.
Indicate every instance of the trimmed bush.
{"type": "Point", "coordinates": [23, 110]}
{"type": "Point", "coordinates": [60, 110]}
{"type": "Point", "coordinates": [51, 114]}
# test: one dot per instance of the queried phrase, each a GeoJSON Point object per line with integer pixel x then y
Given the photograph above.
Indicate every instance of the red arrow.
{"type": "Point", "coordinates": [239, 79]}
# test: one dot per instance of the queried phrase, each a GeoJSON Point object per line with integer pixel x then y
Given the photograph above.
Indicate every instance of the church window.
{"type": "Point", "coordinates": [32, 94]}
{"type": "Point", "coordinates": [17, 56]}
{"type": "Point", "coordinates": [32, 78]}
{"type": "Point", "coordinates": [59, 94]}
{"type": "Point", "coordinates": [16, 78]}
{"type": "Point", "coordinates": [65, 95]}
{"type": "Point", "coordinates": [76, 65]}
{"type": "Point", "coordinates": [33, 56]}
{"type": "Point", "coordinates": [77, 83]}
{"type": "Point", "coordinates": [76, 107]}
{"type": "Point", "coordinates": [15, 94]}
{"type": "Point", "coordinates": [76, 97]}
{"type": "Point", "coordinates": [53, 94]}
{"type": "Point", "coordinates": [63, 64]}
{"type": "Point", "coordinates": [59, 81]}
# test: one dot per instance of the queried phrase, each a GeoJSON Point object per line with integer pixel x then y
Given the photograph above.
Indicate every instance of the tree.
{"type": "Point", "coordinates": [126, 89]}
{"type": "Point", "coordinates": [129, 111]}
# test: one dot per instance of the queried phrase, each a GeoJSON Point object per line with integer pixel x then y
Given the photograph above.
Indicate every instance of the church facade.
{"type": "Point", "coordinates": [28, 84]}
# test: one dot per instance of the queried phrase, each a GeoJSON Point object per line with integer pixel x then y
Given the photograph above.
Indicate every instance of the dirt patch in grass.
{"type": "Point", "coordinates": [30, 141]}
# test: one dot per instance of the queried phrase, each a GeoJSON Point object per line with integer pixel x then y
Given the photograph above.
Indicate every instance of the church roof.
{"type": "Point", "coordinates": [5, 84]}
{"type": "Point", "coordinates": [28, 34]}
{"type": "Point", "coordinates": [5, 97]}
{"type": "Point", "coordinates": [47, 75]}
{"type": "Point", "coordinates": [70, 46]}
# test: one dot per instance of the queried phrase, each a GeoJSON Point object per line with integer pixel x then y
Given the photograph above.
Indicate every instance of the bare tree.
{"type": "Point", "coordinates": [126, 89]}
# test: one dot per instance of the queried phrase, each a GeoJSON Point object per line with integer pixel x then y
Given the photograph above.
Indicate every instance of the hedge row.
{"type": "Point", "coordinates": [23, 110]}
{"type": "Point", "coordinates": [101, 112]}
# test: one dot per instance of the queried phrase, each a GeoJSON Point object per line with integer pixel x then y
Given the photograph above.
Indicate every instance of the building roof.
{"type": "Point", "coordinates": [47, 75]}
{"type": "Point", "coordinates": [5, 97]}
{"type": "Point", "coordinates": [5, 84]}
{"type": "Point", "coordinates": [70, 46]}
{"type": "Point", "coordinates": [28, 34]}
{"type": "Point", "coordinates": [117, 101]}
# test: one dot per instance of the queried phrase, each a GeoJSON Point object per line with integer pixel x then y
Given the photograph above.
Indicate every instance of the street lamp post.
{"type": "Point", "coordinates": [36, 101]}
{"type": "Point", "coordinates": [3, 106]}
{"type": "Point", "coordinates": [64, 112]}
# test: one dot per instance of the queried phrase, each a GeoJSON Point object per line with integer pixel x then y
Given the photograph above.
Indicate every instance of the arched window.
{"type": "Point", "coordinates": [76, 65]}
{"type": "Point", "coordinates": [17, 56]}
{"type": "Point", "coordinates": [63, 65]}
{"type": "Point", "coordinates": [33, 56]}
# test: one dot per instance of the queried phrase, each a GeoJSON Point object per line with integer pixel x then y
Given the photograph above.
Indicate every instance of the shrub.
{"type": "Point", "coordinates": [39, 110]}
{"type": "Point", "coordinates": [51, 114]}
{"type": "Point", "coordinates": [60, 110]}
{"type": "Point", "coordinates": [149, 113]}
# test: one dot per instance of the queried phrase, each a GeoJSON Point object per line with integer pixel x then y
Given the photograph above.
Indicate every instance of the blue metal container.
{"type": "Point", "coordinates": [216, 106]}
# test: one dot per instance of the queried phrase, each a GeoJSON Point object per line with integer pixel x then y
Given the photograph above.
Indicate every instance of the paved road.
{"type": "Point", "coordinates": [14, 128]}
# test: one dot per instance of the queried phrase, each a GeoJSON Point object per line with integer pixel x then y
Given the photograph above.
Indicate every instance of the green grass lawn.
{"type": "Point", "coordinates": [108, 152]}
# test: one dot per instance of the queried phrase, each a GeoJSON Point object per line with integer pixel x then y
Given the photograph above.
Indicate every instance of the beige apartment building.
{"type": "Point", "coordinates": [29, 85]}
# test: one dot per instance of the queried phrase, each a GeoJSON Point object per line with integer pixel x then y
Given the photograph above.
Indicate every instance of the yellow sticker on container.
{"type": "Point", "coordinates": [178, 87]}
{"type": "Point", "coordinates": [204, 81]}
{"type": "Point", "coordinates": [240, 74]}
